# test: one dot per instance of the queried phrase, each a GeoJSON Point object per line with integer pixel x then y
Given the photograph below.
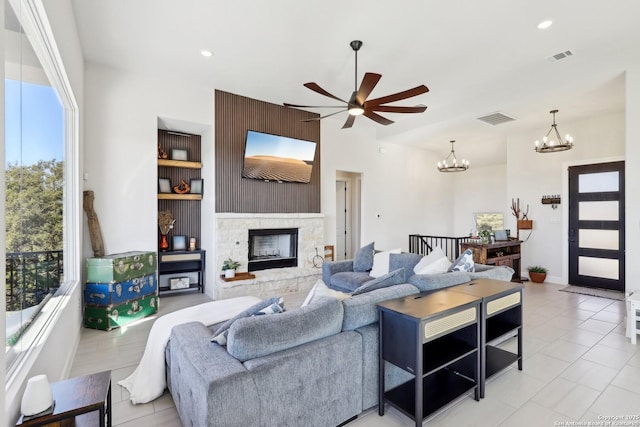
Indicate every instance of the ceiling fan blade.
{"type": "Point", "coordinates": [369, 81]}
{"type": "Point", "coordinates": [397, 109]}
{"type": "Point", "coordinates": [314, 87]}
{"type": "Point", "coordinates": [409, 93]}
{"type": "Point", "coordinates": [349, 122]}
{"type": "Point", "coordinates": [322, 117]}
{"type": "Point", "coordinates": [377, 117]}
{"type": "Point", "coordinates": [312, 106]}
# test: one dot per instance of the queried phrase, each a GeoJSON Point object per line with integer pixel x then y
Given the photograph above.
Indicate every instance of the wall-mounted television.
{"type": "Point", "coordinates": [277, 158]}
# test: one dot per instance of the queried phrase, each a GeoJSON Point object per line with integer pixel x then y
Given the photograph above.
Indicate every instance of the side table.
{"type": "Point", "coordinates": [436, 338]}
{"type": "Point", "coordinates": [501, 315]}
{"type": "Point", "coordinates": [75, 399]}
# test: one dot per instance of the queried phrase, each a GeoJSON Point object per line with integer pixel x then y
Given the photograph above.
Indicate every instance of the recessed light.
{"type": "Point", "coordinates": [545, 24]}
{"type": "Point", "coordinates": [206, 53]}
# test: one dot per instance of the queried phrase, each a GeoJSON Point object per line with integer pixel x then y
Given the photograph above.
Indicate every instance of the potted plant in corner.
{"type": "Point", "coordinates": [229, 268]}
{"type": "Point", "coordinates": [537, 274]}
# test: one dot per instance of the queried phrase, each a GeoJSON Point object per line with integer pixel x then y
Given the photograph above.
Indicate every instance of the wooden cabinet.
{"type": "Point", "coordinates": [185, 208]}
{"type": "Point", "coordinates": [435, 337]}
{"type": "Point", "coordinates": [498, 253]}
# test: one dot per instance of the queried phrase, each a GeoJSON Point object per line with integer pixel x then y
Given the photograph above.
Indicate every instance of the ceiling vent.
{"type": "Point", "coordinates": [559, 56]}
{"type": "Point", "coordinates": [496, 118]}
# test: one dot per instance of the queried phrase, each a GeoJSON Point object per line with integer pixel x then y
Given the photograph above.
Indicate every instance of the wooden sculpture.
{"type": "Point", "coordinates": [94, 225]}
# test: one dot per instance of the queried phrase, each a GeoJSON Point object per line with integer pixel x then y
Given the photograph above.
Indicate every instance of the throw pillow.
{"type": "Point", "coordinates": [363, 258]}
{"type": "Point", "coordinates": [464, 262]}
{"type": "Point", "coordinates": [381, 262]}
{"type": "Point", "coordinates": [437, 267]}
{"type": "Point", "coordinates": [320, 289]}
{"type": "Point", "coordinates": [268, 306]}
{"type": "Point", "coordinates": [435, 254]}
{"type": "Point", "coordinates": [395, 277]}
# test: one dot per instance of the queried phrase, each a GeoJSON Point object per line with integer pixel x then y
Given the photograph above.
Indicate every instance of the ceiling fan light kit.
{"type": "Point", "coordinates": [549, 145]}
{"type": "Point", "coordinates": [445, 166]}
{"type": "Point", "coordinates": [358, 103]}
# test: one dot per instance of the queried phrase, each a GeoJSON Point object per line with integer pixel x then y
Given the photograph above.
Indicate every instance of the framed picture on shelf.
{"type": "Point", "coordinates": [179, 243]}
{"type": "Point", "coordinates": [196, 186]}
{"type": "Point", "coordinates": [177, 154]}
{"type": "Point", "coordinates": [164, 185]}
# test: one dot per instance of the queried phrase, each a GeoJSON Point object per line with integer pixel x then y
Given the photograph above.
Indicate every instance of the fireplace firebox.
{"type": "Point", "coordinates": [273, 248]}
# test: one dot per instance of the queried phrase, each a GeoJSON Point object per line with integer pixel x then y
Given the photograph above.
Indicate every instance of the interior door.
{"type": "Point", "coordinates": [341, 220]}
{"type": "Point", "coordinates": [596, 226]}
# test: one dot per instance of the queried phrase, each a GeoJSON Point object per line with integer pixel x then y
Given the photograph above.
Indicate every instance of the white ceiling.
{"type": "Point", "coordinates": [476, 57]}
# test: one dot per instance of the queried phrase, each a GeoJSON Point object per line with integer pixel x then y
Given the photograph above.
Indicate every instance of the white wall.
{"type": "Point", "coordinates": [398, 184]}
{"type": "Point", "coordinates": [632, 176]}
{"type": "Point", "coordinates": [479, 189]}
{"type": "Point", "coordinates": [531, 175]}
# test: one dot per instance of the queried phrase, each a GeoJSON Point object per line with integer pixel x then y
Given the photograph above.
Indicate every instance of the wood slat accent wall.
{"type": "Point", "coordinates": [186, 212]}
{"type": "Point", "coordinates": [234, 115]}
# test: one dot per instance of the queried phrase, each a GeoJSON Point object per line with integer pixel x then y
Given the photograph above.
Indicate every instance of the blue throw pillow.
{"type": "Point", "coordinates": [363, 259]}
{"type": "Point", "coordinates": [395, 277]}
{"type": "Point", "coordinates": [268, 306]}
{"type": "Point", "coordinates": [464, 262]}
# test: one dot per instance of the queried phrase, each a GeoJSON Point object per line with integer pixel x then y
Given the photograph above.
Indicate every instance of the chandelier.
{"type": "Point", "coordinates": [551, 145]}
{"type": "Point", "coordinates": [444, 166]}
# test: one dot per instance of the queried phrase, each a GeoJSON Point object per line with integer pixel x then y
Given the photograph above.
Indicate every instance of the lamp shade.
{"type": "Point", "coordinates": [37, 396]}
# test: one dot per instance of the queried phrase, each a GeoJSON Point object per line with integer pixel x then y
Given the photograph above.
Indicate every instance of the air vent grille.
{"type": "Point", "coordinates": [559, 56]}
{"type": "Point", "coordinates": [496, 118]}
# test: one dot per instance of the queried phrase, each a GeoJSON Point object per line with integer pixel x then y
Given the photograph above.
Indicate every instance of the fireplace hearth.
{"type": "Point", "coordinates": [273, 248]}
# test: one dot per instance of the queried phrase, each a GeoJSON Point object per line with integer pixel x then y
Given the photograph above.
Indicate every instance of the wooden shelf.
{"type": "Point", "coordinates": [238, 276]}
{"type": "Point", "coordinates": [171, 196]}
{"type": "Point", "coordinates": [179, 164]}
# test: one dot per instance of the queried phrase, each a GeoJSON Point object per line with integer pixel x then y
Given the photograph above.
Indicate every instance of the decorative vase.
{"type": "Point", "coordinates": [164, 243]}
{"type": "Point", "coordinates": [537, 277]}
{"type": "Point", "coordinates": [229, 274]}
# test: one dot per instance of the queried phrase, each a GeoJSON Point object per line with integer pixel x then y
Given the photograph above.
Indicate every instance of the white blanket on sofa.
{"type": "Point", "coordinates": [148, 381]}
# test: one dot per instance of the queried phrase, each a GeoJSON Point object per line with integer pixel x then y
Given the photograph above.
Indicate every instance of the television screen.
{"type": "Point", "coordinates": [277, 158]}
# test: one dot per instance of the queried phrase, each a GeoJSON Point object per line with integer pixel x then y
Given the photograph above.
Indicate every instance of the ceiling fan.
{"type": "Point", "coordinates": [358, 103]}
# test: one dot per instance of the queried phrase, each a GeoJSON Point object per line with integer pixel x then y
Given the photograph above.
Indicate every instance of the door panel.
{"type": "Point", "coordinates": [596, 226]}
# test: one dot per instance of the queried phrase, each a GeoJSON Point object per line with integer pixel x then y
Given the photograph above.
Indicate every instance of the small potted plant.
{"type": "Point", "coordinates": [229, 268]}
{"type": "Point", "coordinates": [537, 274]}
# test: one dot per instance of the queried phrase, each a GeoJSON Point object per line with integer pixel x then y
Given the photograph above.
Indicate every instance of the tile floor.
{"type": "Point", "coordinates": [578, 367]}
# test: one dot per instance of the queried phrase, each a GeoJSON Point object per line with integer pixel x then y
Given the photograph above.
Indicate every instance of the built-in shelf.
{"type": "Point", "coordinates": [171, 196]}
{"type": "Point", "coordinates": [179, 164]}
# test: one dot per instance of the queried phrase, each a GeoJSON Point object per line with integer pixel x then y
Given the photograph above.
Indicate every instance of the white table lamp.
{"type": "Point", "coordinates": [37, 396]}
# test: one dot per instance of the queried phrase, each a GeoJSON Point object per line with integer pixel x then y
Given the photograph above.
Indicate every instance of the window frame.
{"type": "Point", "coordinates": [36, 27]}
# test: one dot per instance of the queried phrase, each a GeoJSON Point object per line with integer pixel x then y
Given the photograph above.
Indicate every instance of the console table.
{"type": "Point", "coordinates": [501, 315]}
{"type": "Point", "coordinates": [435, 337]}
{"type": "Point", "coordinates": [499, 253]}
{"type": "Point", "coordinates": [175, 264]}
{"type": "Point", "coordinates": [78, 400]}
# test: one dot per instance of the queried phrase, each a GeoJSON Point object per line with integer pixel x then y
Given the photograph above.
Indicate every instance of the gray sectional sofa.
{"type": "Point", "coordinates": [316, 365]}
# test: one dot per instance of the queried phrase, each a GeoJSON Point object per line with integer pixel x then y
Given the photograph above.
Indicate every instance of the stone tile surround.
{"type": "Point", "coordinates": [232, 237]}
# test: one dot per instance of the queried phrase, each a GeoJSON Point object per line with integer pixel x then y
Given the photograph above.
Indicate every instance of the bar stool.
{"type": "Point", "coordinates": [633, 316]}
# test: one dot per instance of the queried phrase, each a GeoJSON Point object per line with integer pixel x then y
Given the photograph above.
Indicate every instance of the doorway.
{"type": "Point", "coordinates": [596, 226]}
{"type": "Point", "coordinates": [348, 186]}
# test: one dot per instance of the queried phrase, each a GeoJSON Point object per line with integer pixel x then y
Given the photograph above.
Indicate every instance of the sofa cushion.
{"type": "Point", "coordinates": [436, 254]}
{"type": "Point", "coordinates": [258, 336]}
{"type": "Point", "coordinates": [404, 260]}
{"type": "Point", "coordinates": [393, 278]}
{"type": "Point", "coordinates": [430, 282]}
{"type": "Point", "coordinates": [438, 266]}
{"type": "Point", "coordinates": [267, 306]}
{"type": "Point", "coordinates": [320, 289]}
{"type": "Point", "coordinates": [381, 262]}
{"type": "Point", "coordinates": [363, 258]}
{"type": "Point", "coordinates": [464, 262]}
{"type": "Point", "coordinates": [348, 281]}
{"type": "Point", "coordinates": [361, 310]}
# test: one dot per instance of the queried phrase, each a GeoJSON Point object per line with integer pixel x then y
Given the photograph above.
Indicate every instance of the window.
{"type": "Point", "coordinates": [41, 183]}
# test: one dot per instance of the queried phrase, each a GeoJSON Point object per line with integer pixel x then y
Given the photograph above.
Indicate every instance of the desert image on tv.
{"type": "Point", "coordinates": [275, 168]}
{"type": "Point", "coordinates": [278, 158]}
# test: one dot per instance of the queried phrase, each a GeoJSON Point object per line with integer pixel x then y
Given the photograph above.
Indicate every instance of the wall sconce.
{"type": "Point", "coordinates": [553, 200]}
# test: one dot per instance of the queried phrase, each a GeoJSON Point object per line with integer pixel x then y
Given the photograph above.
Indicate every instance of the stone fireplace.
{"type": "Point", "coordinates": [277, 248]}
